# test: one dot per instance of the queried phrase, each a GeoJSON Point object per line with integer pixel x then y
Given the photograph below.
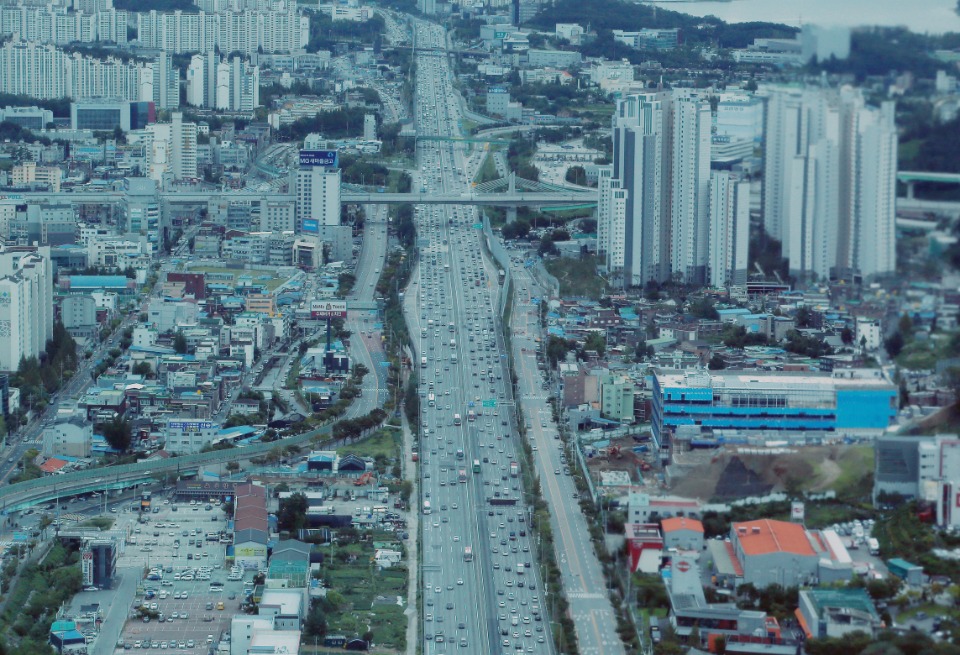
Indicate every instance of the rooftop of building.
{"type": "Point", "coordinates": [732, 380]}
{"type": "Point", "coordinates": [100, 281]}
{"type": "Point", "coordinates": [766, 536]}
{"type": "Point", "coordinates": [846, 599]}
{"type": "Point", "coordinates": [681, 523]}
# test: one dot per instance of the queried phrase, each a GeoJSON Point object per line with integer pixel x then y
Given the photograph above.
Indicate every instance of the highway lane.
{"type": "Point", "coordinates": [366, 346]}
{"type": "Point", "coordinates": [583, 581]}
{"type": "Point", "coordinates": [488, 605]}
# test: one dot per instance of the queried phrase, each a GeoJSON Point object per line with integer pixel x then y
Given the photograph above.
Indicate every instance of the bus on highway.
{"type": "Point", "coordinates": [423, 362]}
{"type": "Point", "coordinates": [426, 507]}
{"type": "Point", "coordinates": [431, 400]}
{"type": "Point", "coordinates": [462, 476]}
{"type": "Point", "coordinates": [468, 553]}
{"type": "Point", "coordinates": [471, 416]}
{"type": "Point", "coordinates": [456, 419]}
{"type": "Point", "coordinates": [476, 466]}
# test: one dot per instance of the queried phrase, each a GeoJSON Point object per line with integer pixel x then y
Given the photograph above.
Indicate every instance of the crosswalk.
{"type": "Point", "coordinates": [73, 517]}
{"type": "Point", "coordinates": [584, 595]}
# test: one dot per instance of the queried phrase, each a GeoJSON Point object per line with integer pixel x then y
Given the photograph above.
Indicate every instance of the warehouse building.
{"type": "Point", "coordinates": [777, 552]}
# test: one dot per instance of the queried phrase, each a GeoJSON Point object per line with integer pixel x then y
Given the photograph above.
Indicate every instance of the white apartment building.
{"type": "Point", "coordinates": [57, 25]}
{"type": "Point", "coordinates": [612, 206]}
{"type": "Point", "coordinates": [729, 230]}
{"type": "Point", "coordinates": [26, 304]}
{"type": "Point", "coordinates": [45, 71]}
{"type": "Point", "coordinates": [737, 127]}
{"type": "Point", "coordinates": [641, 164]}
{"type": "Point", "coordinates": [829, 182]}
{"type": "Point", "coordinates": [690, 188]}
{"type": "Point", "coordinates": [248, 32]}
{"type": "Point", "coordinates": [196, 79]}
{"type": "Point", "coordinates": [171, 149]}
{"type": "Point", "coordinates": [318, 194]}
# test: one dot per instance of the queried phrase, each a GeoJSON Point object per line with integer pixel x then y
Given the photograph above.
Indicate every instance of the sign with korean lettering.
{"type": "Point", "coordinates": [318, 158]}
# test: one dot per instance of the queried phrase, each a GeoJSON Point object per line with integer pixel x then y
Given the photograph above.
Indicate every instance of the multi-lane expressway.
{"type": "Point", "coordinates": [488, 599]}
{"type": "Point", "coordinates": [583, 580]}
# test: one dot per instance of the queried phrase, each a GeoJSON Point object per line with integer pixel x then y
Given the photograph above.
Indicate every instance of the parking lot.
{"type": "Point", "coordinates": [195, 610]}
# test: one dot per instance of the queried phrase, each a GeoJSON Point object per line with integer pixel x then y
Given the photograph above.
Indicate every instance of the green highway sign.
{"type": "Point", "coordinates": [490, 403]}
{"type": "Point", "coordinates": [478, 226]}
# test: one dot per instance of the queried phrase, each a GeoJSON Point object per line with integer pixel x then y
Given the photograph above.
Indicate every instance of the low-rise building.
{"type": "Point", "coordinates": [68, 439]}
{"type": "Point", "coordinates": [682, 533]}
{"type": "Point", "coordinates": [835, 613]}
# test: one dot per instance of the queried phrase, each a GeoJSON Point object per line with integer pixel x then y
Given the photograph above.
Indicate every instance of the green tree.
{"type": "Point", "coordinates": [576, 175]}
{"type": "Point", "coordinates": [180, 343]}
{"type": "Point", "coordinates": [846, 336]}
{"type": "Point", "coordinates": [292, 515]}
{"type": "Point", "coordinates": [894, 344]}
{"type": "Point", "coordinates": [597, 342]}
{"type": "Point", "coordinates": [316, 622]}
{"type": "Point", "coordinates": [118, 433]}
{"type": "Point", "coordinates": [143, 368]}
{"type": "Point", "coordinates": [716, 363]}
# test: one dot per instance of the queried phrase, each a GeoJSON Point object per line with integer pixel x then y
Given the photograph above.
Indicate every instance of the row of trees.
{"type": "Point", "coordinates": [37, 378]}
{"type": "Point", "coordinates": [353, 428]}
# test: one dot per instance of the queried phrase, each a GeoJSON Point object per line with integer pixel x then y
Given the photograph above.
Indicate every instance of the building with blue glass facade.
{"type": "Point", "coordinates": [700, 404]}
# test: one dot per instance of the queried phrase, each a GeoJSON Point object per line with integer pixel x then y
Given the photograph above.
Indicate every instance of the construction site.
{"type": "Point", "coordinates": [732, 472]}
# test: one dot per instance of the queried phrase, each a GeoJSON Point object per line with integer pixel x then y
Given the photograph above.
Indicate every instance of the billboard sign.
{"type": "Point", "coordinates": [310, 226]}
{"type": "Point", "coordinates": [318, 158]}
{"type": "Point", "coordinates": [86, 567]}
{"type": "Point", "coordinates": [328, 309]}
{"type": "Point", "coordinates": [190, 425]}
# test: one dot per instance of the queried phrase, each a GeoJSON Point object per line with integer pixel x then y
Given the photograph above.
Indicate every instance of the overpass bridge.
{"type": "Point", "coordinates": [23, 495]}
{"type": "Point", "coordinates": [509, 198]}
{"type": "Point", "coordinates": [911, 178]}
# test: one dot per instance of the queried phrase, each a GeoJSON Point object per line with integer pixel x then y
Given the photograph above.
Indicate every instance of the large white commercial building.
{"type": "Point", "coordinates": [248, 32]}
{"type": "Point", "coordinates": [318, 194]}
{"type": "Point", "coordinates": [26, 304]}
{"type": "Point", "coordinates": [830, 182]}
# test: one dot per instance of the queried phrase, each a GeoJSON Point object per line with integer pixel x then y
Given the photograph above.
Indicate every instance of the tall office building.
{"type": "Point", "coordinates": [26, 304]}
{"type": "Point", "coordinates": [729, 230]}
{"type": "Point", "coordinates": [829, 182]}
{"type": "Point", "coordinates": [318, 194]}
